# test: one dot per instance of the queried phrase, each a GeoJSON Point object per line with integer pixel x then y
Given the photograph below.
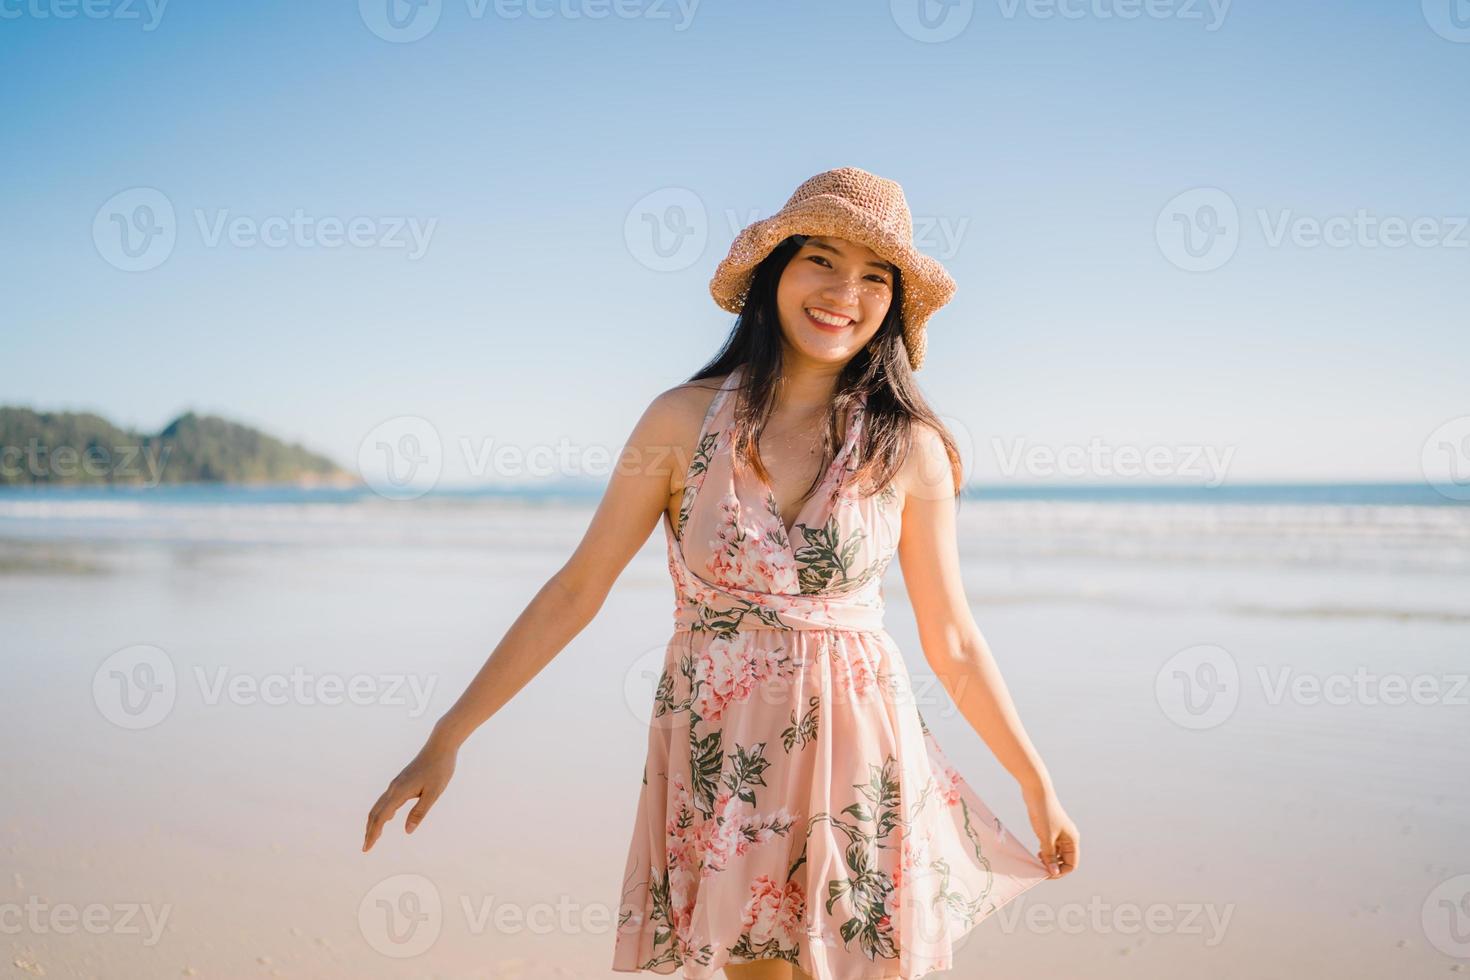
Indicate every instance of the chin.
{"type": "Point", "coordinates": [827, 355]}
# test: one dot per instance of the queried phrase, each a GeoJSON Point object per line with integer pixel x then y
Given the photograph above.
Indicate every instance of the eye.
{"type": "Point", "coordinates": [877, 277]}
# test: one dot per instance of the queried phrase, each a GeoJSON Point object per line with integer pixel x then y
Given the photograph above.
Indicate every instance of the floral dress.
{"type": "Point", "coordinates": [794, 803]}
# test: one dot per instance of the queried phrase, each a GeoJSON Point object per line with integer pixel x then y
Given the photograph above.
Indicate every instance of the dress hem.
{"type": "Point", "coordinates": [716, 969]}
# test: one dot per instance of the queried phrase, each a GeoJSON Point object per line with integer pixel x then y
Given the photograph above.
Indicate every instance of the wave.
{"type": "Point", "coordinates": [1432, 538]}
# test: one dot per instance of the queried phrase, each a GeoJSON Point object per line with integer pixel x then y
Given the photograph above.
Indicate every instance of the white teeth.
{"type": "Point", "coordinates": [836, 321]}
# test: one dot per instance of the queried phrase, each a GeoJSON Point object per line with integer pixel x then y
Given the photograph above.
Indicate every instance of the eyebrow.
{"type": "Point", "coordinates": [885, 266]}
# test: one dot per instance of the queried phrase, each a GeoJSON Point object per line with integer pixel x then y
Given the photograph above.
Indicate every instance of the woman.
{"type": "Point", "coordinates": [796, 818]}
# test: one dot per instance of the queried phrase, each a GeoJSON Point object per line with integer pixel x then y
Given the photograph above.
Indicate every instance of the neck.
{"type": "Point", "coordinates": [806, 389]}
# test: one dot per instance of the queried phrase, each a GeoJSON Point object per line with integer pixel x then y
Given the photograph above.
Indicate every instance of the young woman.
{"type": "Point", "coordinates": [796, 816]}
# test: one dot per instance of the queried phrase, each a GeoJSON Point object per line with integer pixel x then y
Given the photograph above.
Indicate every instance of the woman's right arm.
{"type": "Point", "coordinates": [636, 497]}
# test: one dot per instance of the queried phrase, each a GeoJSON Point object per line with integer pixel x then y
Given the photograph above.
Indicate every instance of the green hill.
{"type": "Point", "coordinates": [82, 448]}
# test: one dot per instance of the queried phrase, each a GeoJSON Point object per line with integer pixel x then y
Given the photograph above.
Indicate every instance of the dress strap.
{"type": "Point", "coordinates": [704, 451]}
{"type": "Point", "coordinates": [710, 414]}
{"type": "Point", "coordinates": [728, 385]}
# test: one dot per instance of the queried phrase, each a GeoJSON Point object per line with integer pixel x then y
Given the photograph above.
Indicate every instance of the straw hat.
{"type": "Point", "coordinates": [860, 207]}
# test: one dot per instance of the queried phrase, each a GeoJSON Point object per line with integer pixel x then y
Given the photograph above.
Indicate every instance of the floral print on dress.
{"type": "Point", "coordinates": [773, 919]}
{"type": "Point", "coordinates": [795, 804]}
{"type": "Point", "coordinates": [747, 559]}
{"type": "Point", "coordinates": [730, 668]}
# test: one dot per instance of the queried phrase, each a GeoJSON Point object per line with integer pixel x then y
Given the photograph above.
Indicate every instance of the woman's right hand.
{"type": "Point", "coordinates": [424, 778]}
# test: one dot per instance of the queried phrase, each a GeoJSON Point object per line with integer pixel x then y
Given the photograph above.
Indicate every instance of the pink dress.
{"type": "Point", "coordinates": [794, 803]}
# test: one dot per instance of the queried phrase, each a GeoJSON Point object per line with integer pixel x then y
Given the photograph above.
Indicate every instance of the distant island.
{"type": "Point", "coordinates": [83, 448]}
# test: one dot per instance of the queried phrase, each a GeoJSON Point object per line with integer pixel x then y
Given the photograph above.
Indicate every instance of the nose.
{"type": "Point", "coordinates": [842, 295]}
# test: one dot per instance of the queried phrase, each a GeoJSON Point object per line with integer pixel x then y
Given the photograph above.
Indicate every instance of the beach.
{"type": "Point", "coordinates": [1255, 710]}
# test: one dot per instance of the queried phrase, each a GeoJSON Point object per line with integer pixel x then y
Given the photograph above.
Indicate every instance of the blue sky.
{"type": "Point", "coordinates": [1044, 149]}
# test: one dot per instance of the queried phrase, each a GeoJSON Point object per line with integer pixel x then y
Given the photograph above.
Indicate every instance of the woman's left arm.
{"type": "Point", "coordinates": [956, 650]}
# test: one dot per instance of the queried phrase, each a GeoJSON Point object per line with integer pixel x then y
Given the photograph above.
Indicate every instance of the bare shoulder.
{"type": "Point", "coordinates": [692, 396]}
{"type": "Point", "coordinates": [672, 421]}
{"type": "Point", "coordinates": [681, 409]}
{"type": "Point", "coordinates": [925, 473]}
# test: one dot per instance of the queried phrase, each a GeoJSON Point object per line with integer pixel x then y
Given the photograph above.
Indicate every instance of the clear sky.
{"type": "Point", "coordinates": [533, 147]}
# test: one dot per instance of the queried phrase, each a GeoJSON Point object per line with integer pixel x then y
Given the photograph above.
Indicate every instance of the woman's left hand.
{"type": "Point", "coordinates": [1054, 829]}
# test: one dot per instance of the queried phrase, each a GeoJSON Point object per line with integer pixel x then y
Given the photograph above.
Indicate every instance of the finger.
{"type": "Point", "coordinates": [417, 814]}
{"type": "Point", "coordinates": [1048, 856]}
{"type": "Point", "coordinates": [382, 812]}
{"type": "Point", "coordinates": [369, 833]}
{"type": "Point", "coordinates": [1070, 849]}
{"type": "Point", "coordinates": [1064, 852]}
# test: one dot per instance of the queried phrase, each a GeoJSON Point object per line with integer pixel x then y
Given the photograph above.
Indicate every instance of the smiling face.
{"type": "Point", "coordinates": [832, 298]}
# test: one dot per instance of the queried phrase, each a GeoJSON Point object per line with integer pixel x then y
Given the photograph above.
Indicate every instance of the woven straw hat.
{"type": "Point", "coordinates": [861, 207]}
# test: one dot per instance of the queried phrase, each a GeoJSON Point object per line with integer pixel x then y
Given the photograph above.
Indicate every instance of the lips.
{"type": "Point", "coordinates": [826, 319]}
